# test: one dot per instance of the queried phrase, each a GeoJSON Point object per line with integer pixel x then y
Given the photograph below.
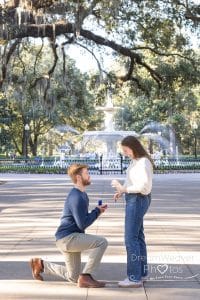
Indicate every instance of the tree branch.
{"type": "Point", "coordinates": [53, 47]}
{"type": "Point", "coordinates": [20, 59]}
{"type": "Point", "coordinates": [45, 80]}
{"type": "Point", "coordinates": [160, 53]}
{"type": "Point", "coordinates": [189, 15]}
{"type": "Point", "coordinates": [7, 59]}
{"type": "Point", "coordinates": [82, 13]}
{"type": "Point", "coordinates": [140, 86]}
{"type": "Point", "coordinates": [129, 73]}
{"type": "Point", "coordinates": [16, 145]}
{"type": "Point", "coordinates": [135, 58]}
{"type": "Point", "coordinates": [37, 56]}
{"type": "Point", "coordinates": [37, 4]}
{"type": "Point", "coordinates": [50, 31]}
{"type": "Point", "coordinates": [92, 53]}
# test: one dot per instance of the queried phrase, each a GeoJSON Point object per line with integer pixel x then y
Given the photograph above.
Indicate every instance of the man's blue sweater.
{"type": "Point", "coordinates": [75, 216]}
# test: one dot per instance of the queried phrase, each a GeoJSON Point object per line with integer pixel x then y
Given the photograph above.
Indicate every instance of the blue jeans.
{"type": "Point", "coordinates": [136, 207]}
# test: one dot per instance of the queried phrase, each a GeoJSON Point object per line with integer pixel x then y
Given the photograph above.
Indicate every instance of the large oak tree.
{"type": "Point", "coordinates": [131, 29]}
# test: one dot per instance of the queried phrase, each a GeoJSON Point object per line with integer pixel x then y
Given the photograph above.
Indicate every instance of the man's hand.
{"type": "Point", "coordinates": [102, 208]}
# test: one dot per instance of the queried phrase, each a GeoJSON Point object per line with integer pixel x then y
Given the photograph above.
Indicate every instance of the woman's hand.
{"type": "Point", "coordinates": [117, 185]}
{"type": "Point", "coordinates": [117, 196]}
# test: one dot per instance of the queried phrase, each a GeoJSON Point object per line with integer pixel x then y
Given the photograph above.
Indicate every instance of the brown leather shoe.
{"type": "Point", "coordinates": [87, 281]}
{"type": "Point", "coordinates": [37, 268]}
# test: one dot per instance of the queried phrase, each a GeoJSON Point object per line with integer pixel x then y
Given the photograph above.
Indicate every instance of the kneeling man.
{"type": "Point", "coordinates": [71, 238]}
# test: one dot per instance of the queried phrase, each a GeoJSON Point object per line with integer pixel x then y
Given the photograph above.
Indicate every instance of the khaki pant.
{"type": "Point", "coordinates": [71, 247]}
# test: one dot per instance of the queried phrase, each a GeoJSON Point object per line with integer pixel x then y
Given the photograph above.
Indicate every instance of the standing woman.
{"type": "Point", "coordinates": [137, 189]}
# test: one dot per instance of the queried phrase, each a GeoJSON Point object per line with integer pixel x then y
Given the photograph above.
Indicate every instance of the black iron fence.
{"type": "Point", "coordinates": [97, 166]}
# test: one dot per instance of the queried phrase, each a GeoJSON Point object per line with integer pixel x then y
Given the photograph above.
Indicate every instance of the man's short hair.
{"type": "Point", "coordinates": [76, 169]}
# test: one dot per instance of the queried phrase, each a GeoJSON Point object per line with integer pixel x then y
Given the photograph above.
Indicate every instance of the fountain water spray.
{"type": "Point", "coordinates": [109, 136]}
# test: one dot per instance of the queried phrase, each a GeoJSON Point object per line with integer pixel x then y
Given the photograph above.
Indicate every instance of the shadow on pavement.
{"type": "Point", "coordinates": [158, 273]}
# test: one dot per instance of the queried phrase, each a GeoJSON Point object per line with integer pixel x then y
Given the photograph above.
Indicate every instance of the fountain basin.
{"type": "Point", "coordinates": [110, 138]}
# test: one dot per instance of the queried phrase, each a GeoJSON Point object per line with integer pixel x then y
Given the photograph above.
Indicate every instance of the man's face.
{"type": "Point", "coordinates": [85, 177]}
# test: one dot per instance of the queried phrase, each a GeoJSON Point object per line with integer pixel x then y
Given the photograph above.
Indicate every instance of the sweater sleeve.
{"type": "Point", "coordinates": [80, 212]}
{"type": "Point", "coordinates": [142, 182]}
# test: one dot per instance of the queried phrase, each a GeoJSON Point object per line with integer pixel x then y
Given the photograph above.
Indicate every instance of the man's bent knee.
{"type": "Point", "coordinates": [103, 242]}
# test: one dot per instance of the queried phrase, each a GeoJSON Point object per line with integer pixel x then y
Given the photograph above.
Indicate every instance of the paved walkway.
{"type": "Point", "coordinates": [30, 207]}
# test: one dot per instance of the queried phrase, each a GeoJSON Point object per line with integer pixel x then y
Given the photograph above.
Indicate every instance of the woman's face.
{"type": "Point", "coordinates": [127, 151]}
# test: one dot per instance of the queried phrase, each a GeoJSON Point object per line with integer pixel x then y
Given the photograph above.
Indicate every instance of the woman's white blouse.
{"type": "Point", "coordinates": [139, 176]}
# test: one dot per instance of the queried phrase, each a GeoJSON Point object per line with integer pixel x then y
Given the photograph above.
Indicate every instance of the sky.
{"type": "Point", "coordinates": [85, 61]}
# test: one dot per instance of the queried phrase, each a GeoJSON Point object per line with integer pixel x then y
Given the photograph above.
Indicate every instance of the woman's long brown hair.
{"type": "Point", "coordinates": [138, 150]}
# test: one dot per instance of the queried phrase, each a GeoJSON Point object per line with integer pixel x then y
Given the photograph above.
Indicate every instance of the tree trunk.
{"type": "Point", "coordinates": [150, 146]}
{"type": "Point", "coordinates": [17, 147]}
{"type": "Point", "coordinates": [50, 149]}
{"type": "Point", "coordinates": [24, 144]}
{"type": "Point", "coordinates": [33, 144]}
{"type": "Point", "coordinates": [172, 139]}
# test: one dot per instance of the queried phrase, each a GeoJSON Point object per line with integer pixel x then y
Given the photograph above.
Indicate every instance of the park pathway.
{"type": "Point", "coordinates": [30, 207]}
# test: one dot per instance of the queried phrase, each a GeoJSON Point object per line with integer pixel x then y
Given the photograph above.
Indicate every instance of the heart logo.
{"type": "Point", "coordinates": [162, 268]}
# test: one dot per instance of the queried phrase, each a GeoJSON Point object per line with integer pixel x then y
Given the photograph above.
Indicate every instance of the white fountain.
{"type": "Point", "coordinates": [109, 136]}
